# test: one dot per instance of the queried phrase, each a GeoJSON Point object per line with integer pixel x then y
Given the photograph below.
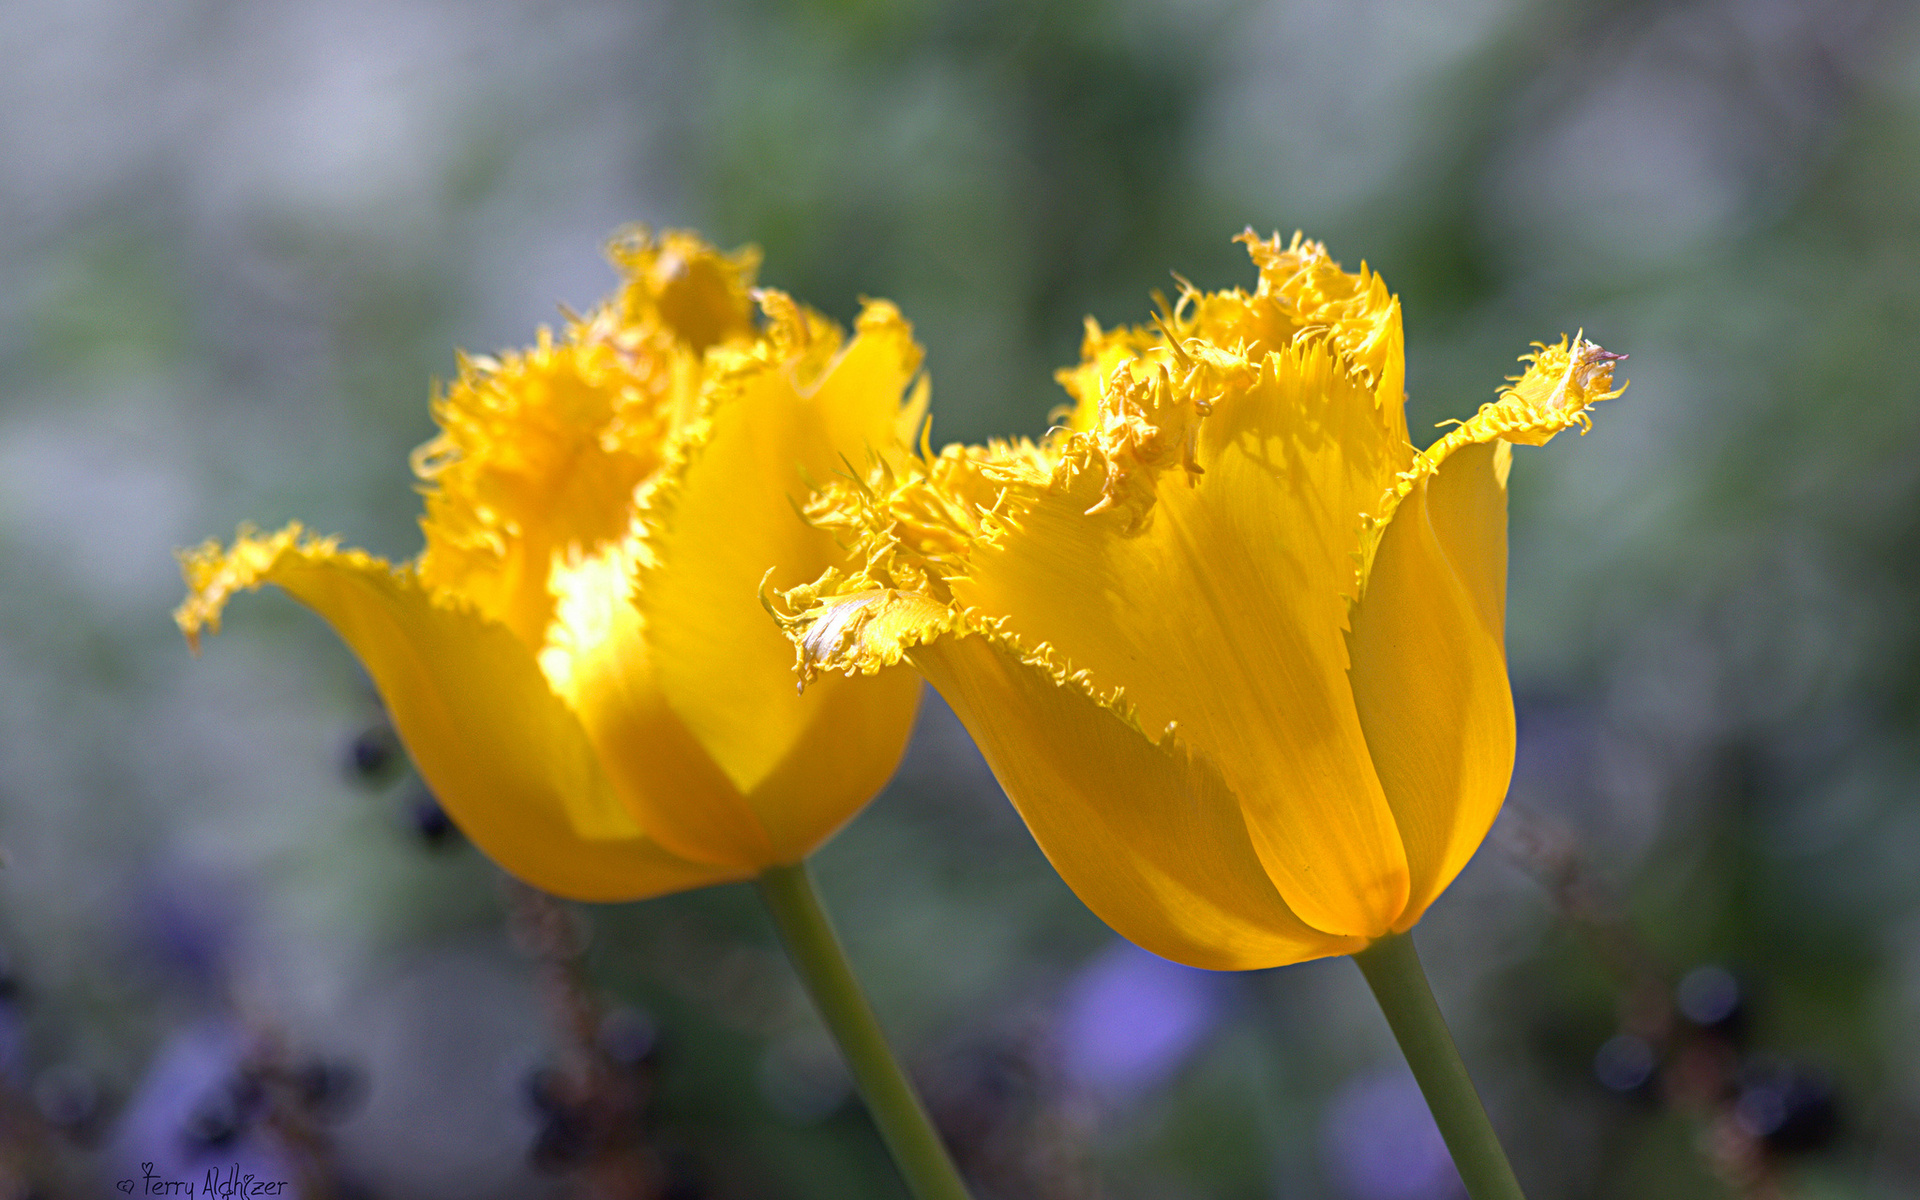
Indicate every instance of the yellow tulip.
{"type": "Point", "coordinates": [1230, 643]}
{"type": "Point", "coordinates": [577, 661]}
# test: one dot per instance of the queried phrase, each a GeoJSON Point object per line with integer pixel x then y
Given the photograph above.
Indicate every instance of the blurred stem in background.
{"type": "Point", "coordinates": [822, 964]}
{"type": "Point", "coordinates": [1393, 971]}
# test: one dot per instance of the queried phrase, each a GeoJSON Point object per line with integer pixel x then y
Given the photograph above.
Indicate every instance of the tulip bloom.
{"type": "Point", "coordinates": [1233, 646]}
{"type": "Point", "coordinates": [577, 661]}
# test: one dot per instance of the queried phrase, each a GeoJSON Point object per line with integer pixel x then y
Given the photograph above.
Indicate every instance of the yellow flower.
{"type": "Point", "coordinates": [1231, 644]}
{"type": "Point", "coordinates": [577, 661]}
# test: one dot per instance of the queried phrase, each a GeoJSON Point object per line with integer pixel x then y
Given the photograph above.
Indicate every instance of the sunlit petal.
{"type": "Point", "coordinates": [1223, 616]}
{"type": "Point", "coordinates": [840, 760]}
{"type": "Point", "coordinates": [1429, 667]}
{"type": "Point", "coordinates": [1428, 639]}
{"type": "Point", "coordinates": [1098, 794]}
{"type": "Point", "coordinates": [598, 661]}
{"type": "Point", "coordinates": [799, 412]}
{"type": "Point", "coordinates": [501, 753]}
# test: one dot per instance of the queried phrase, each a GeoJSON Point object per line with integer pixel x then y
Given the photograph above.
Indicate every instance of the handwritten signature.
{"type": "Point", "coordinates": [234, 1184]}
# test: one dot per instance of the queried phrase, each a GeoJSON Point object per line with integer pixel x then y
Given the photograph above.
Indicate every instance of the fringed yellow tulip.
{"type": "Point", "coordinates": [577, 661]}
{"type": "Point", "coordinates": [1233, 647]}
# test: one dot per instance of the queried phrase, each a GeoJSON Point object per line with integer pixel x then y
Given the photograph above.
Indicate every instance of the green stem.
{"type": "Point", "coordinates": [822, 965]}
{"type": "Point", "coordinates": [1400, 985]}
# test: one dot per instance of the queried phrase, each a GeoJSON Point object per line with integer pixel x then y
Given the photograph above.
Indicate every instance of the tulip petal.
{"type": "Point", "coordinates": [1226, 613]}
{"type": "Point", "coordinates": [1149, 837]}
{"type": "Point", "coordinates": [675, 280]}
{"type": "Point", "coordinates": [539, 453]}
{"type": "Point", "coordinates": [499, 750]}
{"type": "Point", "coordinates": [1428, 633]}
{"type": "Point", "coordinates": [598, 660]}
{"type": "Point", "coordinates": [845, 755]}
{"type": "Point", "coordinates": [731, 513]}
{"type": "Point", "coordinates": [1429, 666]}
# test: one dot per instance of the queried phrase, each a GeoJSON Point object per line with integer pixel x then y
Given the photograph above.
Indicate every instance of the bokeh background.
{"type": "Point", "coordinates": [240, 241]}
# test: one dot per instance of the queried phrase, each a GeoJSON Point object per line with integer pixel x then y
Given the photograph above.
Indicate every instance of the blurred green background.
{"type": "Point", "coordinates": [241, 240]}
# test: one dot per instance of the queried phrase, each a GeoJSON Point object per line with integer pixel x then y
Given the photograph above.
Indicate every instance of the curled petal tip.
{"type": "Point", "coordinates": [829, 631]}
{"type": "Point", "coordinates": [213, 572]}
{"type": "Point", "coordinates": [1561, 383]}
{"type": "Point", "coordinates": [858, 632]}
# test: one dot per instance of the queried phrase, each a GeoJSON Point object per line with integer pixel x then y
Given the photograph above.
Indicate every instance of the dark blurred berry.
{"type": "Point", "coordinates": [374, 755]}
{"type": "Point", "coordinates": [565, 1137]}
{"type": "Point", "coordinates": [548, 1091]}
{"type": "Point", "coordinates": [214, 1123]}
{"type": "Point", "coordinates": [248, 1092]}
{"type": "Point", "coordinates": [10, 984]}
{"type": "Point", "coordinates": [1711, 997]}
{"type": "Point", "coordinates": [1625, 1063]}
{"type": "Point", "coordinates": [223, 1114]}
{"type": "Point", "coordinates": [628, 1037]}
{"type": "Point", "coordinates": [565, 1140]}
{"type": "Point", "coordinates": [1790, 1109]}
{"type": "Point", "coordinates": [67, 1097]}
{"type": "Point", "coordinates": [429, 822]}
{"type": "Point", "coordinates": [997, 1075]}
{"type": "Point", "coordinates": [329, 1091]}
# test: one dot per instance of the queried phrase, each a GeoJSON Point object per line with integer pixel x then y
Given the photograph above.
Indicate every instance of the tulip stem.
{"type": "Point", "coordinates": [821, 963]}
{"type": "Point", "coordinates": [1399, 982]}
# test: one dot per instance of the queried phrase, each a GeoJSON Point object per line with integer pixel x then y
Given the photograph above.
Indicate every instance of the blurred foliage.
{"type": "Point", "coordinates": [243, 240]}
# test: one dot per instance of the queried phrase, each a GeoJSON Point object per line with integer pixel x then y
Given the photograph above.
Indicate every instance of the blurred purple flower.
{"type": "Point", "coordinates": [1381, 1142]}
{"type": "Point", "coordinates": [1130, 1019]}
{"type": "Point", "coordinates": [186, 921]}
{"type": "Point", "coordinates": [176, 1123]}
